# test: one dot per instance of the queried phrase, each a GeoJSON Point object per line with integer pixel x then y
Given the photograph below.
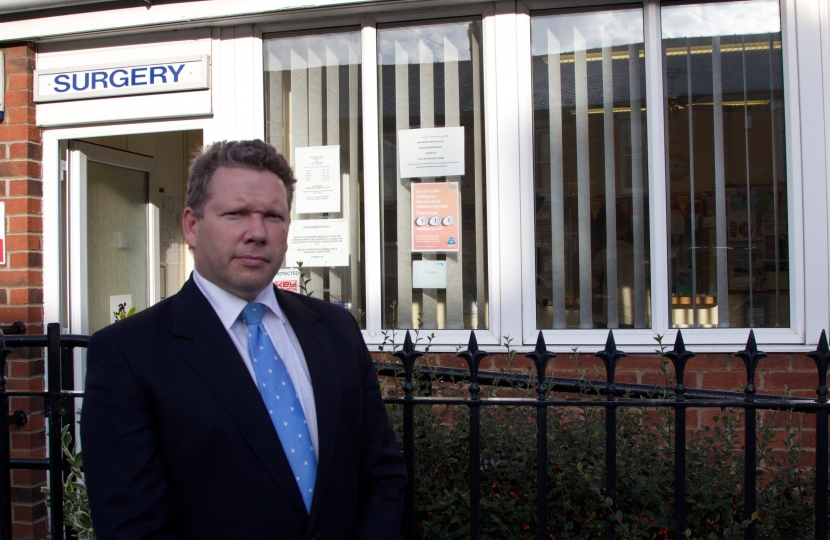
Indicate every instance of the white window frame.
{"type": "Point", "coordinates": [799, 336]}
{"type": "Point", "coordinates": [375, 334]}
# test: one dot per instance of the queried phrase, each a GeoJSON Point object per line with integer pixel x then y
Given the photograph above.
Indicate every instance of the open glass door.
{"type": "Point", "coordinates": [112, 234]}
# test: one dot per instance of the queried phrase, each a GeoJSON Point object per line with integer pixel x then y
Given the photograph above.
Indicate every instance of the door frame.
{"type": "Point", "coordinates": [56, 292]}
{"type": "Point", "coordinates": [79, 155]}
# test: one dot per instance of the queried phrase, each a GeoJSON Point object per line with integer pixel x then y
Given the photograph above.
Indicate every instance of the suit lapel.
{"type": "Point", "coordinates": [319, 354]}
{"type": "Point", "coordinates": [216, 360]}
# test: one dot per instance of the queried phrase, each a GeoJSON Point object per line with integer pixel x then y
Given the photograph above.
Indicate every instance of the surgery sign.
{"type": "Point", "coordinates": [121, 79]}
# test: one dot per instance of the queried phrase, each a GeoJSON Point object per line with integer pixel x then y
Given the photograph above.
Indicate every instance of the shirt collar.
{"type": "Point", "coordinates": [228, 306]}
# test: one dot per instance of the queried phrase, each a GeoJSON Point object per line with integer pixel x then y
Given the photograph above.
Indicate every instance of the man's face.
{"type": "Point", "coordinates": [239, 243]}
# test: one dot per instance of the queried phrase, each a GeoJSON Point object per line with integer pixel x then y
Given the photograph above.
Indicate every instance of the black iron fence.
{"type": "Point", "coordinates": [59, 408]}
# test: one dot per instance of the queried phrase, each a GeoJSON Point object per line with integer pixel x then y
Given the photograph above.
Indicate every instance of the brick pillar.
{"type": "Point", "coordinates": [21, 292]}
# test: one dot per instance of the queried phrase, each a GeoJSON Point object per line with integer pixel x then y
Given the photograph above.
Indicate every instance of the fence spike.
{"type": "Point", "coordinates": [540, 357]}
{"type": "Point", "coordinates": [822, 358]}
{"type": "Point", "coordinates": [751, 357]}
{"type": "Point", "coordinates": [679, 356]}
{"type": "Point", "coordinates": [407, 355]}
{"type": "Point", "coordinates": [473, 355]}
{"type": "Point", "coordinates": [610, 356]}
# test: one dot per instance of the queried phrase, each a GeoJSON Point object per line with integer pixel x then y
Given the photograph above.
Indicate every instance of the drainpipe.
{"type": "Point", "coordinates": [2, 86]}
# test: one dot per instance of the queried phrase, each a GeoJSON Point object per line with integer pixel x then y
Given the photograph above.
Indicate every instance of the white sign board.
{"type": "Point", "coordinates": [429, 274]}
{"type": "Point", "coordinates": [430, 152]}
{"type": "Point", "coordinates": [122, 79]}
{"type": "Point", "coordinates": [317, 170]}
{"type": "Point", "coordinates": [318, 242]}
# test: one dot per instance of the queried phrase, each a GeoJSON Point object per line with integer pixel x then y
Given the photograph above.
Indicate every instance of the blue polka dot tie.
{"type": "Point", "coordinates": [282, 401]}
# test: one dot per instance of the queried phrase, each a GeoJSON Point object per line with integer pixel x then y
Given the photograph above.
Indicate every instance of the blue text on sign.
{"type": "Point", "coordinates": [118, 78]}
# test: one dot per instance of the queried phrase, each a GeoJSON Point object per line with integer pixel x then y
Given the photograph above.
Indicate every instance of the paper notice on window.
{"type": "Point", "coordinates": [429, 274]}
{"type": "Point", "coordinates": [317, 170]}
{"type": "Point", "coordinates": [318, 242]}
{"type": "Point", "coordinates": [426, 153]}
{"type": "Point", "coordinates": [288, 279]}
{"type": "Point", "coordinates": [435, 215]}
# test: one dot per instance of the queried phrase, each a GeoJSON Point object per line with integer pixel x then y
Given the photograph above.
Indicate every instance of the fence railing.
{"type": "Point", "coordinates": [60, 395]}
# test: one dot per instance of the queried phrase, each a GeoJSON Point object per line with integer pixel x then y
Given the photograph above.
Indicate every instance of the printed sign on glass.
{"type": "Point", "coordinates": [317, 170]}
{"type": "Point", "coordinates": [288, 279]}
{"type": "Point", "coordinates": [429, 274]}
{"type": "Point", "coordinates": [436, 217]}
{"type": "Point", "coordinates": [318, 242]}
{"type": "Point", "coordinates": [431, 152]}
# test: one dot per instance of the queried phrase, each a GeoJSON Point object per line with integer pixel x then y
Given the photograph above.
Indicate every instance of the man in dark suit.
{"type": "Point", "coordinates": [232, 409]}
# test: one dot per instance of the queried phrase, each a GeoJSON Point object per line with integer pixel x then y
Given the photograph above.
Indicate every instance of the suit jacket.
{"type": "Point", "coordinates": [177, 442]}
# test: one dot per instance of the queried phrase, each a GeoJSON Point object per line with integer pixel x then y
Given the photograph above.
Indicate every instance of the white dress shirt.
{"type": "Point", "coordinates": [228, 307]}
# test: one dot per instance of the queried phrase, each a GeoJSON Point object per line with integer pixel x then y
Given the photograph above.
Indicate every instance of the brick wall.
{"type": "Point", "coordinates": [21, 292]}
{"type": "Point", "coordinates": [778, 372]}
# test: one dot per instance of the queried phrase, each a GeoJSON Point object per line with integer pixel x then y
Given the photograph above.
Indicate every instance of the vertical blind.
{"type": "Point", "coordinates": [728, 258]}
{"type": "Point", "coordinates": [591, 189]}
{"type": "Point", "coordinates": [430, 76]}
{"type": "Point", "coordinates": [313, 99]}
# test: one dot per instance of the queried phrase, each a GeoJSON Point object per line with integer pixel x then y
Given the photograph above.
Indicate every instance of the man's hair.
{"type": "Point", "coordinates": [256, 155]}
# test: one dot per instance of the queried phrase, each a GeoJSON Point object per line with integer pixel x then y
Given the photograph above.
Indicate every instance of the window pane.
{"type": "Point", "coordinates": [728, 258]}
{"type": "Point", "coordinates": [312, 99]}
{"type": "Point", "coordinates": [590, 170]}
{"type": "Point", "coordinates": [116, 240]}
{"type": "Point", "coordinates": [430, 77]}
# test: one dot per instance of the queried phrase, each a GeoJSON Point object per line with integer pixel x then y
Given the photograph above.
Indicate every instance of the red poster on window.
{"type": "Point", "coordinates": [436, 217]}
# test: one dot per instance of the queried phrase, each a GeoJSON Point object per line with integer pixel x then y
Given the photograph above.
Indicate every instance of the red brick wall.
{"type": "Point", "coordinates": [21, 292]}
{"type": "Point", "coordinates": [795, 373]}
{"type": "Point", "coordinates": [722, 371]}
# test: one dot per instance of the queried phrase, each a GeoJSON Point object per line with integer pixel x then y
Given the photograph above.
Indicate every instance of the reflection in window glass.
{"type": "Point", "coordinates": [728, 258]}
{"type": "Point", "coordinates": [590, 173]}
{"type": "Point", "coordinates": [430, 76]}
{"type": "Point", "coordinates": [312, 95]}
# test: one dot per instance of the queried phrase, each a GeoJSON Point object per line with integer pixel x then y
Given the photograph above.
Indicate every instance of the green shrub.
{"type": "Point", "coordinates": [75, 500]}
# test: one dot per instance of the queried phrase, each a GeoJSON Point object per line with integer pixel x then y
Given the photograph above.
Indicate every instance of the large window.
{"type": "Point", "coordinates": [565, 170]}
{"type": "Point", "coordinates": [728, 258]}
{"type": "Point", "coordinates": [431, 114]}
{"type": "Point", "coordinates": [590, 174]}
{"type": "Point", "coordinates": [313, 117]}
